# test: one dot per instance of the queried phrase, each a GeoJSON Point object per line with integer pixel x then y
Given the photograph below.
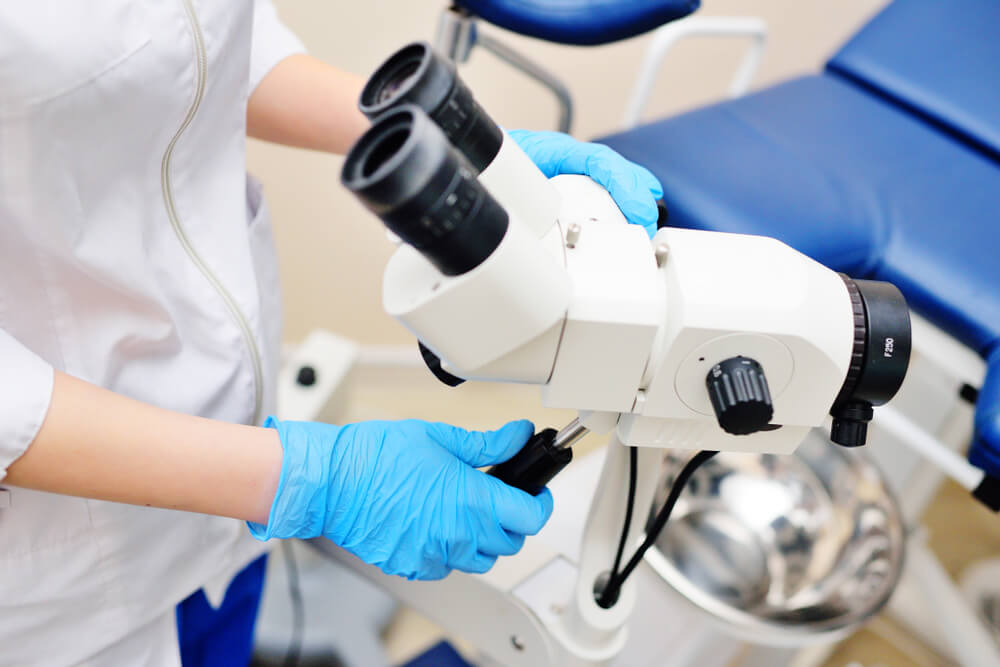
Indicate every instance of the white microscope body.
{"type": "Point", "coordinates": [605, 321]}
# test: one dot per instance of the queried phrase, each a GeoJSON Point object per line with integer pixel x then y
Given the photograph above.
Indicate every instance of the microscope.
{"type": "Point", "coordinates": [691, 340]}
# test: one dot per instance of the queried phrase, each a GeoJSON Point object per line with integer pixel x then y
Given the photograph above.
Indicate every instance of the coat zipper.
{"type": "Point", "coordinates": [168, 199]}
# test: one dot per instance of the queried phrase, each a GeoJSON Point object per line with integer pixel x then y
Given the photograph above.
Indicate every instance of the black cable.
{"type": "Point", "coordinates": [294, 652]}
{"type": "Point", "coordinates": [611, 591]}
{"type": "Point", "coordinates": [661, 517]}
{"type": "Point", "coordinates": [633, 467]}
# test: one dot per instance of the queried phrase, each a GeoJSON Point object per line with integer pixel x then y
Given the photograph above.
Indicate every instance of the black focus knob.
{"type": "Point", "coordinates": [306, 376]}
{"type": "Point", "coordinates": [740, 396]}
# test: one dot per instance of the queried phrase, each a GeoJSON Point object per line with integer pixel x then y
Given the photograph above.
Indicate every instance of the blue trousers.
{"type": "Point", "coordinates": [223, 636]}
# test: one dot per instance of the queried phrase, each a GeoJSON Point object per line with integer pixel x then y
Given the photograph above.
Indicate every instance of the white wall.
{"type": "Point", "coordinates": [332, 252]}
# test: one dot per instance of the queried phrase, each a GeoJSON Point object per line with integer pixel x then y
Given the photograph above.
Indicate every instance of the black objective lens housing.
{"type": "Point", "coordinates": [405, 172]}
{"type": "Point", "coordinates": [416, 74]}
{"type": "Point", "coordinates": [879, 360]}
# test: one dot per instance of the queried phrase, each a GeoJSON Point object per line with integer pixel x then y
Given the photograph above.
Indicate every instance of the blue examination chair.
{"type": "Point", "coordinates": [579, 22]}
{"type": "Point", "coordinates": [886, 165]}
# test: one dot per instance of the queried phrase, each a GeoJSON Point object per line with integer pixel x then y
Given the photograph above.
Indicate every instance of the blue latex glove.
{"type": "Point", "coordinates": [405, 496]}
{"type": "Point", "coordinates": [633, 188]}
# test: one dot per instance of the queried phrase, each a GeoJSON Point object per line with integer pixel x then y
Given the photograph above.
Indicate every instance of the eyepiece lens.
{"type": "Point", "coordinates": [384, 148]}
{"type": "Point", "coordinates": [417, 75]}
{"type": "Point", "coordinates": [396, 80]}
{"type": "Point", "coordinates": [405, 171]}
{"type": "Point", "coordinates": [407, 77]}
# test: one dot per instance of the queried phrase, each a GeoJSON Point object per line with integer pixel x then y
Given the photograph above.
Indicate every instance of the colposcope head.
{"type": "Point", "coordinates": [405, 172]}
{"type": "Point", "coordinates": [879, 360]}
{"type": "Point", "coordinates": [418, 75]}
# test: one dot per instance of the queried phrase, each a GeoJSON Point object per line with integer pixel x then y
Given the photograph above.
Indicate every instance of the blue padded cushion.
{"type": "Point", "coordinates": [848, 179]}
{"type": "Point", "coordinates": [581, 22]}
{"type": "Point", "coordinates": [939, 58]}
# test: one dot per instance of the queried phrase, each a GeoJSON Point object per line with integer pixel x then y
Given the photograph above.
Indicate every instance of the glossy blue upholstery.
{"type": "Point", "coordinates": [938, 60]}
{"type": "Point", "coordinates": [580, 22]}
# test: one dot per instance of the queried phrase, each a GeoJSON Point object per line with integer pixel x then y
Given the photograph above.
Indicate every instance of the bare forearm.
{"type": "Point", "coordinates": [306, 103]}
{"type": "Point", "coordinates": [97, 444]}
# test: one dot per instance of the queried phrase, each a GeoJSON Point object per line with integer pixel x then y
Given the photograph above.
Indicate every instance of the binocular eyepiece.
{"type": "Point", "coordinates": [416, 167]}
{"type": "Point", "coordinates": [417, 75]}
{"type": "Point", "coordinates": [406, 172]}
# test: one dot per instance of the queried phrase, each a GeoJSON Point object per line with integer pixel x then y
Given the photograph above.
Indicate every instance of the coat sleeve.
{"type": "Point", "coordinates": [25, 394]}
{"type": "Point", "coordinates": [271, 42]}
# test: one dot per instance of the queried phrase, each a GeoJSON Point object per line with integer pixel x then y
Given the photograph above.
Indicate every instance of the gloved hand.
{"type": "Point", "coordinates": [405, 496]}
{"type": "Point", "coordinates": [633, 188]}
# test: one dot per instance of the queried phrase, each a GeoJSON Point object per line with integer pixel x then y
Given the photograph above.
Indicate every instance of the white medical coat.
{"type": "Point", "coordinates": [133, 254]}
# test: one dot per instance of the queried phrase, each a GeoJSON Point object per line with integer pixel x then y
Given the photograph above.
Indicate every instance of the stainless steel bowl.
{"type": "Point", "coordinates": [784, 550]}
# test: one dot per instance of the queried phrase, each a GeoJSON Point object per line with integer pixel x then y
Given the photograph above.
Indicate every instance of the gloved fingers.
{"type": "Point", "coordinates": [626, 184]}
{"type": "Point", "coordinates": [432, 572]}
{"type": "Point", "coordinates": [546, 149]}
{"type": "Point", "coordinates": [615, 164]}
{"type": "Point", "coordinates": [482, 448]}
{"type": "Point", "coordinates": [477, 563]}
{"type": "Point", "coordinates": [635, 189]}
{"type": "Point", "coordinates": [500, 542]}
{"type": "Point", "coordinates": [557, 153]}
{"type": "Point", "coordinates": [650, 182]}
{"type": "Point", "coordinates": [404, 565]}
{"type": "Point", "coordinates": [519, 512]}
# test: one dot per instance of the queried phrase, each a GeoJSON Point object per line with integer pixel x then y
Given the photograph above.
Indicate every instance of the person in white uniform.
{"type": "Point", "coordinates": [139, 333]}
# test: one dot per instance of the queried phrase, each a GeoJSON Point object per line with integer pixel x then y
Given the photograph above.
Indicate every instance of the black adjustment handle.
{"type": "Point", "coordinates": [535, 465]}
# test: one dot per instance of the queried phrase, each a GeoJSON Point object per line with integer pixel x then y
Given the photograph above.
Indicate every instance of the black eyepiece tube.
{"type": "Point", "coordinates": [416, 74]}
{"type": "Point", "coordinates": [405, 172]}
